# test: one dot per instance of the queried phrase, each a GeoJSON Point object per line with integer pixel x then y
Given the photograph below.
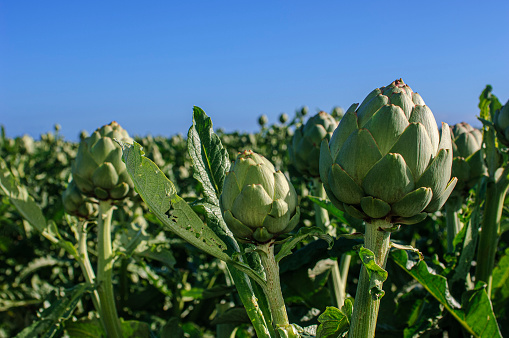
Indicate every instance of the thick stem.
{"type": "Point", "coordinates": [452, 208]}
{"type": "Point", "coordinates": [105, 270]}
{"type": "Point", "coordinates": [367, 303]}
{"type": "Point", "coordinates": [273, 287]}
{"type": "Point", "coordinates": [490, 230]}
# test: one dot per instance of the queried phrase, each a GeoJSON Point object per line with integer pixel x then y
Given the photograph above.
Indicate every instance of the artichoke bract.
{"type": "Point", "coordinates": [98, 170]}
{"type": "Point", "coordinates": [305, 147]}
{"type": "Point", "coordinates": [468, 158]}
{"type": "Point", "coordinates": [501, 122]}
{"type": "Point", "coordinates": [258, 203]}
{"type": "Point", "coordinates": [387, 160]}
{"type": "Point", "coordinates": [75, 202]}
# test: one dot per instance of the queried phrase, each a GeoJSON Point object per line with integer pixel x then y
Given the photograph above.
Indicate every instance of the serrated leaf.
{"type": "Point", "coordinates": [475, 314]}
{"type": "Point", "coordinates": [335, 322]}
{"type": "Point", "coordinates": [292, 241]}
{"type": "Point", "coordinates": [160, 195]}
{"type": "Point", "coordinates": [52, 319]}
{"type": "Point", "coordinates": [210, 159]}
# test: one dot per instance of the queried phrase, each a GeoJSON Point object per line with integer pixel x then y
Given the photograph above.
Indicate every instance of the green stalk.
{"type": "Point", "coordinates": [339, 275]}
{"type": "Point", "coordinates": [452, 209]}
{"type": "Point", "coordinates": [104, 271]}
{"type": "Point", "coordinates": [84, 262]}
{"type": "Point", "coordinates": [273, 287]}
{"type": "Point", "coordinates": [366, 304]}
{"type": "Point", "coordinates": [490, 230]}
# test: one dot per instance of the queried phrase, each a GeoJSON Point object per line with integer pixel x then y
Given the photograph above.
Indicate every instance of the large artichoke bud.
{"type": "Point", "coordinates": [258, 203]}
{"type": "Point", "coordinates": [305, 148]}
{"type": "Point", "coordinates": [386, 159]}
{"type": "Point", "coordinates": [75, 202]}
{"type": "Point", "coordinates": [98, 169]}
{"type": "Point", "coordinates": [501, 122]}
{"type": "Point", "coordinates": [468, 161]}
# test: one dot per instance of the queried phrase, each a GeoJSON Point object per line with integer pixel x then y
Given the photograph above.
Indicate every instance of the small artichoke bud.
{"type": "Point", "coordinates": [283, 118]}
{"type": "Point", "coordinates": [262, 120]}
{"type": "Point", "coordinates": [98, 170]}
{"type": "Point", "coordinates": [304, 111]}
{"type": "Point", "coordinates": [337, 113]}
{"type": "Point", "coordinates": [468, 158]}
{"type": "Point", "coordinates": [501, 122]}
{"type": "Point", "coordinates": [304, 150]}
{"type": "Point", "coordinates": [25, 144]}
{"type": "Point", "coordinates": [75, 202]}
{"type": "Point", "coordinates": [258, 203]}
{"type": "Point", "coordinates": [83, 135]}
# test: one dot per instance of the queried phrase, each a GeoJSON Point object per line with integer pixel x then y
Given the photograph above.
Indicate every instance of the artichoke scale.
{"type": "Point", "coordinates": [389, 179]}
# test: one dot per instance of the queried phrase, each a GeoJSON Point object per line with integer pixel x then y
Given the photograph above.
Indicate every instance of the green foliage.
{"type": "Point", "coordinates": [168, 286]}
{"type": "Point", "coordinates": [335, 322]}
{"type": "Point", "coordinates": [474, 314]}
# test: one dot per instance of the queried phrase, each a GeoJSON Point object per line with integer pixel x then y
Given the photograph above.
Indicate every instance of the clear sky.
{"type": "Point", "coordinates": [145, 64]}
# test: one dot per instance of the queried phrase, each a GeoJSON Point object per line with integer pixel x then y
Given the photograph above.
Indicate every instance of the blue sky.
{"type": "Point", "coordinates": [145, 64]}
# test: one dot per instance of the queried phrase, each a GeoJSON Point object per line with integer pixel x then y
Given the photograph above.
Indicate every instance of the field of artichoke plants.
{"type": "Point", "coordinates": [376, 220]}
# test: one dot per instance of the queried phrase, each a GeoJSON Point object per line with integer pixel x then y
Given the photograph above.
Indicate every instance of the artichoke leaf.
{"type": "Point", "coordinates": [415, 147]}
{"type": "Point", "coordinates": [325, 162]}
{"type": "Point", "coordinates": [374, 207]}
{"type": "Point", "coordinates": [230, 183]}
{"type": "Point", "coordinates": [389, 180]}
{"type": "Point", "coordinates": [252, 205]}
{"type": "Point", "coordinates": [412, 203]}
{"type": "Point", "coordinates": [343, 186]}
{"type": "Point", "coordinates": [439, 201]}
{"type": "Point", "coordinates": [410, 220]}
{"type": "Point", "coordinates": [386, 125]}
{"type": "Point", "coordinates": [422, 114]}
{"type": "Point", "coordinates": [346, 127]}
{"type": "Point", "coordinates": [359, 153]}
{"type": "Point", "coordinates": [438, 173]}
{"type": "Point", "coordinates": [354, 212]}
{"type": "Point", "coordinates": [367, 109]}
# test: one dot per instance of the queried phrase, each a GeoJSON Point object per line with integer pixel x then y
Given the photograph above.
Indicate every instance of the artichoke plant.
{"type": "Point", "coordinates": [258, 203]}
{"type": "Point", "coordinates": [98, 170]}
{"type": "Point", "coordinates": [305, 147]}
{"type": "Point", "coordinates": [468, 159]}
{"type": "Point", "coordinates": [501, 122]}
{"type": "Point", "coordinates": [387, 160]}
{"type": "Point", "coordinates": [75, 202]}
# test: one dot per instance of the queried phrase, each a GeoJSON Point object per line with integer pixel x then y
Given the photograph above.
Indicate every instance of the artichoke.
{"type": "Point", "coordinates": [75, 202]}
{"type": "Point", "coordinates": [263, 120]}
{"type": "Point", "coordinates": [258, 203]}
{"type": "Point", "coordinates": [98, 170]}
{"type": "Point", "coordinates": [501, 122]}
{"type": "Point", "coordinates": [305, 148]}
{"type": "Point", "coordinates": [468, 159]}
{"type": "Point", "coordinates": [386, 159]}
